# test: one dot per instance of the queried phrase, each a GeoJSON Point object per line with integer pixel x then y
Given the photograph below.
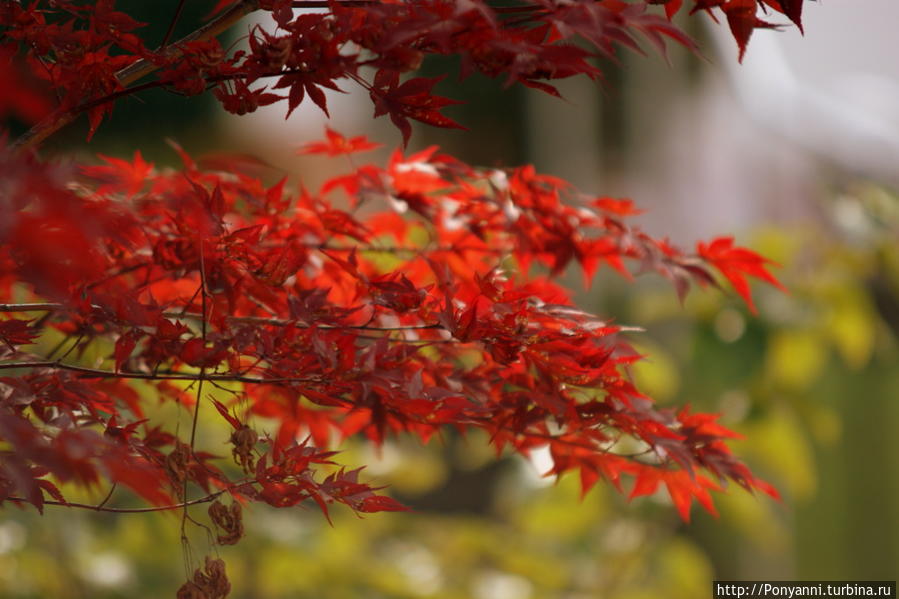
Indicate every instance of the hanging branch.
{"type": "Point", "coordinates": [32, 138]}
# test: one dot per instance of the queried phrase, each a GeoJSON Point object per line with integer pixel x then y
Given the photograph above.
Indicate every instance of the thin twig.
{"type": "Point", "coordinates": [366, 3]}
{"type": "Point", "coordinates": [71, 349]}
{"type": "Point", "coordinates": [89, 373]}
{"type": "Point", "coordinates": [108, 496]}
{"type": "Point", "coordinates": [185, 516]}
{"type": "Point", "coordinates": [134, 510]}
{"type": "Point", "coordinates": [327, 4]}
{"type": "Point", "coordinates": [174, 21]}
{"type": "Point", "coordinates": [278, 322]}
{"type": "Point", "coordinates": [32, 307]}
{"type": "Point", "coordinates": [391, 249]}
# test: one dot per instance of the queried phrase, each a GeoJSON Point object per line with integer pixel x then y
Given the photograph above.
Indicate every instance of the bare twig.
{"type": "Point", "coordinates": [108, 496]}
{"type": "Point", "coordinates": [90, 373]}
{"type": "Point", "coordinates": [174, 21]}
{"type": "Point", "coordinates": [204, 316]}
{"type": "Point", "coordinates": [279, 322]}
{"type": "Point", "coordinates": [134, 510]}
{"type": "Point", "coordinates": [32, 307]}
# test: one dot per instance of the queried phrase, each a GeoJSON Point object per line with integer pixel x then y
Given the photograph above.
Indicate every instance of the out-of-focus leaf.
{"type": "Point", "coordinates": [795, 358]}
{"type": "Point", "coordinates": [851, 325]}
{"type": "Point", "coordinates": [780, 446]}
{"type": "Point", "coordinates": [658, 375]}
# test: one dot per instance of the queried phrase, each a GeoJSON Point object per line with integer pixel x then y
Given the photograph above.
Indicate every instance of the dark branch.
{"type": "Point", "coordinates": [133, 510]}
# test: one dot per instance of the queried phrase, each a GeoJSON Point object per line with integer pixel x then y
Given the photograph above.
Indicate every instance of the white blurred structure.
{"type": "Point", "coordinates": [757, 142]}
{"type": "Point", "coordinates": [267, 134]}
{"type": "Point", "coordinates": [834, 92]}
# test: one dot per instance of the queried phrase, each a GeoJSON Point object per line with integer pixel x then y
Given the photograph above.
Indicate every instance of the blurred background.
{"type": "Point", "coordinates": [795, 152]}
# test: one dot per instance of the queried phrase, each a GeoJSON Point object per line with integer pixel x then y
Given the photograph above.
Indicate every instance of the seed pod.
{"type": "Point", "coordinates": [189, 590]}
{"type": "Point", "coordinates": [244, 440]}
{"type": "Point", "coordinates": [229, 520]}
{"type": "Point", "coordinates": [176, 465]}
{"type": "Point", "coordinates": [209, 583]}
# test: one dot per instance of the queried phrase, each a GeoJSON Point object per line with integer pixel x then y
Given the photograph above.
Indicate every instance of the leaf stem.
{"type": "Point", "coordinates": [177, 376]}
{"type": "Point", "coordinates": [172, 24]}
{"type": "Point", "coordinates": [136, 510]}
{"type": "Point", "coordinates": [51, 307]}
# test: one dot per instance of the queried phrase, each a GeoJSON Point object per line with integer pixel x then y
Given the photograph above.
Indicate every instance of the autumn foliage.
{"type": "Point", "coordinates": [408, 298]}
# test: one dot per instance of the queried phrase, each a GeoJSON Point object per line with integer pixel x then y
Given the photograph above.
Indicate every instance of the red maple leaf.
{"type": "Point", "coordinates": [742, 20]}
{"type": "Point", "coordinates": [735, 263]}
{"type": "Point", "coordinates": [413, 100]}
{"type": "Point", "coordinates": [19, 97]}
{"type": "Point", "coordinates": [120, 175]}
{"type": "Point", "coordinates": [17, 332]}
{"type": "Point", "coordinates": [338, 145]}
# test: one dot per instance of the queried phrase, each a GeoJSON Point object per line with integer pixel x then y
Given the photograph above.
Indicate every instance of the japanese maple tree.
{"type": "Point", "coordinates": [433, 307]}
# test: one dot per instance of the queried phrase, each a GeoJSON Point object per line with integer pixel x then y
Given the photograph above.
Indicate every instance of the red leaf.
{"type": "Point", "coordinates": [647, 481]}
{"type": "Point", "coordinates": [618, 207]}
{"type": "Point", "coordinates": [682, 486]}
{"type": "Point", "coordinates": [198, 352]}
{"type": "Point", "coordinates": [672, 7]}
{"type": "Point", "coordinates": [121, 175]}
{"type": "Point", "coordinates": [52, 490]}
{"type": "Point", "coordinates": [17, 332]}
{"type": "Point", "coordinates": [735, 263]}
{"type": "Point", "coordinates": [193, 352]}
{"type": "Point", "coordinates": [742, 20]}
{"type": "Point", "coordinates": [381, 503]}
{"type": "Point", "coordinates": [413, 99]}
{"type": "Point", "coordinates": [140, 477]}
{"type": "Point", "coordinates": [19, 95]}
{"type": "Point", "coordinates": [704, 425]}
{"type": "Point", "coordinates": [793, 10]}
{"type": "Point", "coordinates": [337, 145]}
{"type": "Point", "coordinates": [765, 487]}
{"type": "Point", "coordinates": [124, 345]}
{"type": "Point", "coordinates": [318, 96]}
{"type": "Point", "coordinates": [234, 422]}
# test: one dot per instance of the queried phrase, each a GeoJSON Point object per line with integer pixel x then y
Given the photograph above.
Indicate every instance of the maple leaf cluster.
{"type": "Point", "coordinates": [402, 299]}
{"type": "Point", "coordinates": [425, 313]}
{"type": "Point", "coordinates": [90, 54]}
{"type": "Point", "coordinates": [743, 16]}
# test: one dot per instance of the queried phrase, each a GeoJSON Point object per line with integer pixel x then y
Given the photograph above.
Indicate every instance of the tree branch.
{"type": "Point", "coordinates": [135, 510]}
{"type": "Point", "coordinates": [278, 322]}
{"type": "Point", "coordinates": [196, 415]}
{"type": "Point", "coordinates": [32, 307]}
{"type": "Point", "coordinates": [143, 67]}
{"type": "Point", "coordinates": [37, 134]}
{"type": "Point", "coordinates": [177, 376]}
{"type": "Point", "coordinates": [364, 3]}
